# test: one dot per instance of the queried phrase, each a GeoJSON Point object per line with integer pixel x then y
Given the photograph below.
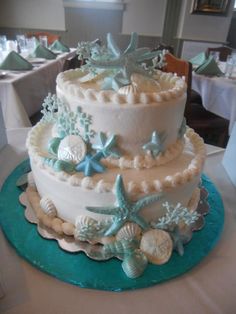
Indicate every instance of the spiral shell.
{"type": "Point", "coordinates": [48, 207]}
{"type": "Point", "coordinates": [129, 231]}
{"type": "Point", "coordinates": [85, 222]}
{"type": "Point", "coordinates": [133, 265]}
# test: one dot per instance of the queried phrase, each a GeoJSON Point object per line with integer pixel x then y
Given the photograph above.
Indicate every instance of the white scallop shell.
{"type": "Point", "coordinates": [128, 232]}
{"type": "Point", "coordinates": [144, 84]}
{"type": "Point", "coordinates": [128, 89]}
{"type": "Point", "coordinates": [157, 246]}
{"type": "Point", "coordinates": [72, 148]}
{"type": "Point", "coordinates": [48, 207]}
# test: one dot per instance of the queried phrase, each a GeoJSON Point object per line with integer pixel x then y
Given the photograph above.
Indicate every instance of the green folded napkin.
{"type": "Point", "coordinates": [15, 62]}
{"type": "Point", "coordinates": [198, 59]}
{"type": "Point", "coordinates": [43, 52]}
{"type": "Point", "coordinates": [209, 67]}
{"type": "Point", "coordinates": [59, 46]}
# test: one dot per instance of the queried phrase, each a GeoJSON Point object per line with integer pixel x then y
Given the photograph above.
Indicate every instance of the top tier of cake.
{"type": "Point", "coordinates": [133, 112]}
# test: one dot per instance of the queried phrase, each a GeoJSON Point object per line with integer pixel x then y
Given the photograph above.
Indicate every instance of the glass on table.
{"type": "Point", "coordinates": [31, 44]}
{"type": "Point", "coordinates": [229, 66]}
{"type": "Point", "coordinates": [21, 42]}
{"type": "Point", "coordinates": [215, 55]}
{"type": "Point", "coordinates": [43, 41]}
{"type": "Point", "coordinates": [3, 42]}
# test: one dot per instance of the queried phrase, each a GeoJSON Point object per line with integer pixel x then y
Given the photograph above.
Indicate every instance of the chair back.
{"type": "Point", "coordinates": [223, 50]}
{"type": "Point", "coordinates": [51, 37]}
{"type": "Point", "coordinates": [181, 68]}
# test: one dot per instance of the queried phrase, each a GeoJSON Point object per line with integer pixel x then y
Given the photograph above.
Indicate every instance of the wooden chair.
{"type": "Point", "coordinates": [51, 37]}
{"type": "Point", "coordinates": [72, 63]}
{"type": "Point", "coordinates": [223, 50]}
{"type": "Point", "coordinates": [211, 127]}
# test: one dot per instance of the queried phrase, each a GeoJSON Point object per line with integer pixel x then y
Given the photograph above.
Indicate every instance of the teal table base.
{"type": "Point", "coordinates": [77, 268]}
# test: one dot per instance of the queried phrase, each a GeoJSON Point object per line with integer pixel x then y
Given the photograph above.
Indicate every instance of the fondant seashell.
{"type": "Point", "coordinates": [72, 148]}
{"type": "Point", "coordinates": [134, 264]}
{"type": "Point", "coordinates": [84, 222]}
{"type": "Point", "coordinates": [144, 84]}
{"type": "Point", "coordinates": [48, 207]}
{"type": "Point", "coordinates": [128, 89]}
{"type": "Point", "coordinates": [129, 231]}
{"type": "Point", "coordinates": [120, 247]}
{"type": "Point", "coordinates": [157, 246]}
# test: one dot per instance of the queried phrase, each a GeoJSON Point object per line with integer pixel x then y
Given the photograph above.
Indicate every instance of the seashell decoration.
{"type": "Point", "coordinates": [129, 231]}
{"type": "Point", "coordinates": [128, 89]}
{"type": "Point", "coordinates": [145, 84]}
{"type": "Point", "coordinates": [48, 207]}
{"type": "Point", "coordinates": [72, 149]}
{"type": "Point", "coordinates": [157, 245]}
{"type": "Point", "coordinates": [84, 222]}
{"type": "Point", "coordinates": [121, 247]}
{"type": "Point", "coordinates": [134, 264]}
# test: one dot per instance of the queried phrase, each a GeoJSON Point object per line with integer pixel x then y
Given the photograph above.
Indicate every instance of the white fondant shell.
{"type": "Point", "coordinates": [128, 232]}
{"type": "Point", "coordinates": [48, 207]}
{"type": "Point", "coordinates": [72, 148]}
{"type": "Point", "coordinates": [84, 222]}
{"type": "Point", "coordinates": [144, 84]}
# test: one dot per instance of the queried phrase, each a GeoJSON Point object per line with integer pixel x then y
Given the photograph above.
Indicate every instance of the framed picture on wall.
{"type": "Point", "coordinates": [210, 7]}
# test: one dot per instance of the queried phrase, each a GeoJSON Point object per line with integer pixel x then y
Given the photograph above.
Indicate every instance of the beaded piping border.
{"type": "Point", "coordinates": [177, 89]}
{"type": "Point", "coordinates": [99, 185]}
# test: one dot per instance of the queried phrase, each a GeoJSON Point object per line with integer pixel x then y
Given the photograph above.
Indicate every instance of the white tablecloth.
{"type": "Point", "coordinates": [208, 288]}
{"type": "Point", "coordinates": [22, 93]}
{"type": "Point", "coordinates": [218, 95]}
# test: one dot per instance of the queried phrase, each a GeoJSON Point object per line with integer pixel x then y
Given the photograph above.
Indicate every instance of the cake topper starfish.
{"type": "Point", "coordinates": [155, 146]}
{"type": "Point", "coordinates": [125, 210]}
{"type": "Point", "coordinates": [124, 63]}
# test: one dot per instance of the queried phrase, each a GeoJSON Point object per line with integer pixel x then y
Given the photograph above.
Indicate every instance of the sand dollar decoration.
{"type": "Point", "coordinates": [72, 148]}
{"type": "Point", "coordinates": [157, 246]}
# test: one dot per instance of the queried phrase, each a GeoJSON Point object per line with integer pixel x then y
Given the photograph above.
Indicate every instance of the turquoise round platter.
{"type": "Point", "coordinates": [77, 268]}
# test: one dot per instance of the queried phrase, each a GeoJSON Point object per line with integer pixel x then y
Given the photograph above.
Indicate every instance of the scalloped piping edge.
{"type": "Point", "coordinates": [194, 169]}
{"type": "Point", "coordinates": [178, 89]}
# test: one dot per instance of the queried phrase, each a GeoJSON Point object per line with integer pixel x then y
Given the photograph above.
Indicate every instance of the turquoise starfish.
{"type": "Point", "coordinates": [91, 164]}
{"type": "Point", "coordinates": [182, 129]}
{"type": "Point", "coordinates": [106, 145]}
{"type": "Point", "coordinates": [125, 210]}
{"type": "Point", "coordinates": [155, 146]}
{"type": "Point", "coordinates": [125, 63]}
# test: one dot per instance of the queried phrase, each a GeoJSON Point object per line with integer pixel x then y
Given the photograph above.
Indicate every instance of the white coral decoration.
{"type": "Point", "coordinates": [48, 206]}
{"type": "Point", "coordinates": [175, 215]}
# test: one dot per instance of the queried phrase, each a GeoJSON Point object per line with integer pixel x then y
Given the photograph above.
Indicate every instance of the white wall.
{"type": "Point", "coordinates": [38, 14]}
{"type": "Point", "coordinates": [203, 27]}
{"type": "Point", "coordinates": [146, 17]}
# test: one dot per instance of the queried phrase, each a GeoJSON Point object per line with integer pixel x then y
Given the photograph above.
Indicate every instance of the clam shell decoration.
{"type": "Point", "coordinates": [128, 89]}
{"type": "Point", "coordinates": [144, 84]}
{"type": "Point", "coordinates": [129, 231]}
{"type": "Point", "coordinates": [48, 207]}
{"type": "Point", "coordinates": [134, 265]}
{"type": "Point", "coordinates": [85, 222]}
{"type": "Point", "coordinates": [157, 246]}
{"type": "Point", "coordinates": [72, 149]}
{"type": "Point", "coordinates": [119, 248]}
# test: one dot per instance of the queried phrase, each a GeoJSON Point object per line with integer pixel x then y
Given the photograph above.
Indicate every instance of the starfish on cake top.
{"type": "Point", "coordinates": [155, 146]}
{"type": "Point", "coordinates": [125, 210]}
{"type": "Point", "coordinates": [124, 63]}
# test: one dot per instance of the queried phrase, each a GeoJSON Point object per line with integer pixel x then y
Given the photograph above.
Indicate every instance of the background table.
{"type": "Point", "coordinates": [22, 93]}
{"type": "Point", "coordinates": [208, 288]}
{"type": "Point", "coordinates": [218, 95]}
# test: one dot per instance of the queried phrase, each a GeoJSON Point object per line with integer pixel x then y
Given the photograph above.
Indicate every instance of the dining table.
{"type": "Point", "coordinates": [22, 92]}
{"type": "Point", "coordinates": [218, 93]}
{"type": "Point", "coordinates": [208, 288]}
